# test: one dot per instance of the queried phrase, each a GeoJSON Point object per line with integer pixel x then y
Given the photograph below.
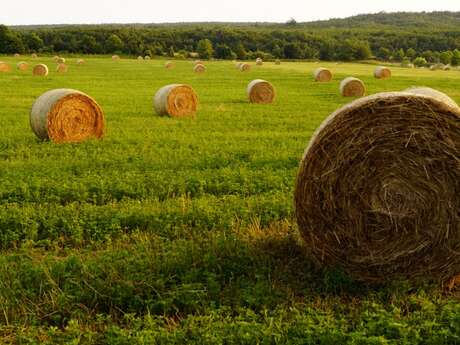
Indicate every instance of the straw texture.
{"type": "Point", "coordinates": [352, 87]}
{"type": "Point", "coordinates": [382, 72]}
{"type": "Point", "coordinates": [176, 100]}
{"type": "Point", "coordinates": [260, 91]}
{"type": "Point", "coordinates": [40, 70]}
{"type": "Point", "coordinates": [322, 75]}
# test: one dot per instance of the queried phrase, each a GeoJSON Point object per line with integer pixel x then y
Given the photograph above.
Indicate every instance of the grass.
{"type": "Point", "coordinates": [182, 231]}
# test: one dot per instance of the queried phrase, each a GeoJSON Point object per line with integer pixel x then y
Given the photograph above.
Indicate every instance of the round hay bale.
{"type": "Point", "coordinates": [40, 70]}
{"type": "Point", "coordinates": [277, 62]}
{"type": "Point", "coordinates": [377, 190]}
{"type": "Point", "coordinates": [261, 91]}
{"type": "Point", "coordinates": [199, 68]}
{"type": "Point", "coordinates": [382, 72]}
{"type": "Point", "coordinates": [140, 58]}
{"type": "Point", "coordinates": [60, 60]}
{"type": "Point", "coordinates": [65, 115]}
{"type": "Point", "coordinates": [169, 65]}
{"type": "Point", "coordinates": [176, 100]}
{"type": "Point", "coordinates": [34, 56]}
{"type": "Point", "coordinates": [17, 55]}
{"type": "Point", "coordinates": [147, 57]}
{"type": "Point", "coordinates": [244, 67]}
{"type": "Point", "coordinates": [4, 67]}
{"type": "Point", "coordinates": [352, 87]}
{"type": "Point", "coordinates": [62, 68]}
{"type": "Point", "coordinates": [322, 74]}
{"type": "Point", "coordinates": [55, 58]}
{"type": "Point", "coordinates": [115, 57]}
{"type": "Point", "coordinates": [22, 66]}
{"type": "Point", "coordinates": [259, 62]}
{"type": "Point", "coordinates": [80, 62]}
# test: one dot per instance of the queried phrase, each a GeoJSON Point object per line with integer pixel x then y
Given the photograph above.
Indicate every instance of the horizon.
{"type": "Point", "coordinates": [204, 11]}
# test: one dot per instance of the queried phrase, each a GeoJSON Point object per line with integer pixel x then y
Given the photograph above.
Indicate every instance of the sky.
{"type": "Point", "coordinates": [162, 11]}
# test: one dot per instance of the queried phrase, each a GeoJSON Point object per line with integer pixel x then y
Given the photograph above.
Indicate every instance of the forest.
{"type": "Point", "coordinates": [416, 37]}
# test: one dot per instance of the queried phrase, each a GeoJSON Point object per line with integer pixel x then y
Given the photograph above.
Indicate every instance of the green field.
{"type": "Point", "coordinates": [182, 231]}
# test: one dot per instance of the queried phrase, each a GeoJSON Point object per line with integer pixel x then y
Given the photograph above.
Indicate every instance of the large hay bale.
{"type": "Point", "coordinates": [4, 67]}
{"type": "Point", "coordinates": [60, 60]}
{"type": "Point", "coordinates": [322, 75]}
{"type": "Point", "coordinates": [40, 70]}
{"type": "Point", "coordinates": [169, 65]}
{"type": "Point", "coordinates": [62, 68]}
{"type": "Point", "coordinates": [382, 72]}
{"type": "Point", "coordinates": [176, 100]}
{"type": "Point", "coordinates": [378, 190]}
{"type": "Point", "coordinates": [244, 67]}
{"type": "Point", "coordinates": [22, 66]}
{"type": "Point", "coordinates": [199, 68]}
{"type": "Point", "coordinates": [65, 115]}
{"type": "Point", "coordinates": [260, 91]}
{"type": "Point", "coordinates": [352, 87]}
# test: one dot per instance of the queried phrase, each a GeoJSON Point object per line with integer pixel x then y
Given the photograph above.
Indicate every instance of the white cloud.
{"type": "Point", "coordinates": [151, 11]}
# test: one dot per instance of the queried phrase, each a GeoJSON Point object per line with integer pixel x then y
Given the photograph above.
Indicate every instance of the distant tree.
{"type": "Point", "coordinates": [420, 61]}
{"type": "Point", "coordinates": [223, 51]}
{"type": "Point", "coordinates": [293, 51]}
{"type": "Point", "coordinates": [428, 56]}
{"type": "Point", "coordinates": [240, 51]}
{"type": "Point", "coordinates": [399, 55]}
{"type": "Point", "coordinates": [291, 22]}
{"type": "Point", "coordinates": [277, 51]}
{"type": "Point", "coordinates": [383, 53]}
{"type": "Point", "coordinates": [446, 57]}
{"type": "Point", "coordinates": [411, 53]}
{"type": "Point", "coordinates": [205, 49]}
{"type": "Point", "coordinates": [114, 44]}
{"type": "Point", "coordinates": [33, 42]}
{"type": "Point", "coordinates": [455, 58]}
{"type": "Point", "coordinates": [89, 44]}
{"type": "Point", "coordinates": [10, 42]}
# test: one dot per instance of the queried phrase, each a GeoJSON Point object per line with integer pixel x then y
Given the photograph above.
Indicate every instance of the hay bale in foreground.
{"type": "Point", "coordinates": [244, 67]}
{"type": "Point", "coordinates": [382, 72]}
{"type": "Point", "coordinates": [66, 115]}
{"type": "Point", "coordinates": [176, 100]}
{"type": "Point", "coordinates": [322, 74]}
{"type": "Point", "coordinates": [377, 190]}
{"type": "Point", "coordinates": [260, 91]}
{"type": "Point", "coordinates": [62, 68]}
{"type": "Point", "coordinates": [169, 65]}
{"type": "Point", "coordinates": [40, 70]}
{"type": "Point", "coordinates": [352, 87]}
{"type": "Point", "coordinates": [22, 66]}
{"type": "Point", "coordinates": [199, 68]}
{"type": "Point", "coordinates": [4, 67]}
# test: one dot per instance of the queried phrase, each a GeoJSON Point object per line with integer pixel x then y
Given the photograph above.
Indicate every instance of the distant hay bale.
{"type": "Point", "coordinates": [176, 100]}
{"type": "Point", "coordinates": [147, 57]}
{"type": "Point", "coordinates": [60, 60]}
{"type": "Point", "coordinates": [34, 56]}
{"type": "Point", "coordinates": [322, 74]}
{"type": "Point", "coordinates": [62, 68]}
{"type": "Point", "coordinates": [199, 68]}
{"type": "Point", "coordinates": [17, 55]}
{"type": "Point", "coordinates": [169, 65]}
{"type": "Point", "coordinates": [237, 65]}
{"type": "Point", "coordinates": [115, 57]}
{"type": "Point", "coordinates": [22, 66]}
{"type": "Point", "coordinates": [244, 67]}
{"type": "Point", "coordinates": [382, 72]}
{"type": "Point", "coordinates": [277, 62]}
{"type": "Point", "coordinates": [436, 66]}
{"type": "Point", "coordinates": [447, 68]}
{"type": "Point", "coordinates": [56, 58]}
{"type": "Point", "coordinates": [260, 91]}
{"type": "Point", "coordinates": [259, 62]}
{"type": "Point", "coordinates": [140, 58]}
{"type": "Point", "coordinates": [378, 191]}
{"type": "Point", "coordinates": [198, 62]}
{"type": "Point", "coordinates": [4, 67]}
{"type": "Point", "coordinates": [352, 87]}
{"type": "Point", "coordinates": [80, 62]}
{"type": "Point", "coordinates": [40, 70]}
{"type": "Point", "coordinates": [65, 115]}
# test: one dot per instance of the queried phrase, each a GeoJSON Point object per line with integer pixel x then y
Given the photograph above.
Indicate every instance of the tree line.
{"type": "Point", "coordinates": [241, 41]}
